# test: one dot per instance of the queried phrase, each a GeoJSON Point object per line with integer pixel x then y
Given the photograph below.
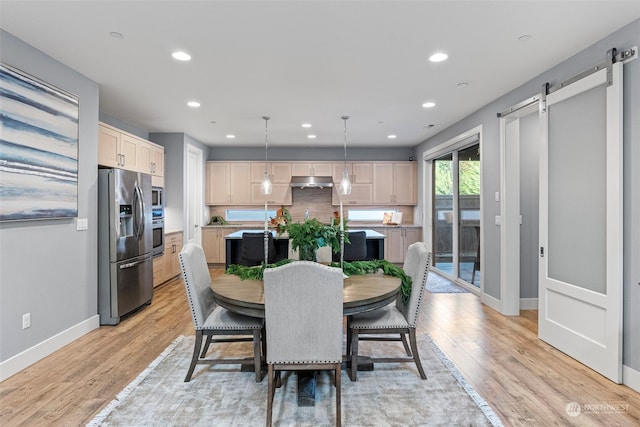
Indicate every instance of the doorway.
{"type": "Point", "coordinates": [194, 209]}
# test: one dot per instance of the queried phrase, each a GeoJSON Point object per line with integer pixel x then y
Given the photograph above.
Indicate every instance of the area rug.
{"type": "Point", "coordinates": [391, 395]}
{"type": "Point", "coordinates": [437, 284]}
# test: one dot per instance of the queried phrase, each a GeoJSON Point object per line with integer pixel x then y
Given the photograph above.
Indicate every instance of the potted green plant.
{"type": "Point", "coordinates": [308, 236]}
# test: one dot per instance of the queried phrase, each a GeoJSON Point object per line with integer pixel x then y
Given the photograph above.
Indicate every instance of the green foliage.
{"type": "Point", "coordinates": [353, 268]}
{"type": "Point", "coordinates": [314, 234]}
{"type": "Point", "coordinates": [468, 181]}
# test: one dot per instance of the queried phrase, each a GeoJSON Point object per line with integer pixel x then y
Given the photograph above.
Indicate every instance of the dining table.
{"type": "Point", "coordinates": [362, 293]}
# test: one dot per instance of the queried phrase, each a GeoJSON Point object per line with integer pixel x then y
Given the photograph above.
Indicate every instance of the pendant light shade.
{"type": "Point", "coordinates": [345, 184]}
{"type": "Point", "coordinates": [266, 187]}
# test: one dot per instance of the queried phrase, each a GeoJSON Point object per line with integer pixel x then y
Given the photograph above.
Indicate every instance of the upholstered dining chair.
{"type": "Point", "coordinates": [253, 249]}
{"type": "Point", "coordinates": [396, 318]}
{"type": "Point", "coordinates": [303, 314]}
{"type": "Point", "coordinates": [356, 249]}
{"type": "Point", "coordinates": [211, 320]}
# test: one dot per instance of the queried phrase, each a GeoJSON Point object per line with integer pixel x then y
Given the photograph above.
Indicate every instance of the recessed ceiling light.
{"type": "Point", "coordinates": [438, 57]}
{"type": "Point", "coordinates": [230, 136]}
{"type": "Point", "coordinates": [193, 104]}
{"type": "Point", "coordinates": [306, 125]}
{"type": "Point", "coordinates": [311, 136]}
{"type": "Point", "coordinates": [116, 35]}
{"type": "Point", "coordinates": [525, 37]}
{"type": "Point", "coordinates": [181, 56]}
{"type": "Point", "coordinates": [380, 122]}
{"type": "Point", "coordinates": [391, 136]}
{"type": "Point", "coordinates": [429, 104]}
{"type": "Point", "coordinates": [462, 85]}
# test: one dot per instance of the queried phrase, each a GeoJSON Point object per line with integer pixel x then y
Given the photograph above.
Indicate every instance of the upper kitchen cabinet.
{"type": "Point", "coordinates": [116, 149]}
{"type": "Point", "coordinates": [279, 172]}
{"type": "Point", "coordinates": [359, 172]}
{"type": "Point", "coordinates": [394, 183]}
{"type": "Point", "coordinates": [361, 194]}
{"type": "Point", "coordinates": [122, 150]}
{"type": "Point", "coordinates": [228, 183]}
{"type": "Point", "coordinates": [280, 195]}
{"type": "Point", "coordinates": [311, 169]}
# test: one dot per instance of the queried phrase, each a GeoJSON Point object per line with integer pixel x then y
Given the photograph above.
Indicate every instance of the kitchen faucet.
{"type": "Point", "coordinates": [306, 214]}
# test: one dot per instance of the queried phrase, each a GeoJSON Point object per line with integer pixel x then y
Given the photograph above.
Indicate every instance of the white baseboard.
{"type": "Point", "coordinates": [492, 302]}
{"type": "Point", "coordinates": [39, 351]}
{"type": "Point", "coordinates": [631, 378]}
{"type": "Point", "coordinates": [528, 303]}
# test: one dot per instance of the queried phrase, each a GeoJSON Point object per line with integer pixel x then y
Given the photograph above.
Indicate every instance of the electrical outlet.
{"type": "Point", "coordinates": [26, 320]}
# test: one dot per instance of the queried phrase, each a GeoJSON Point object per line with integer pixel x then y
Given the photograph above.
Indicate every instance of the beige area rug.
{"type": "Point", "coordinates": [391, 395]}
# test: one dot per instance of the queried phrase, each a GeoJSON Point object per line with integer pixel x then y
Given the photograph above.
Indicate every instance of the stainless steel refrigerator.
{"type": "Point", "coordinates": [125, 243]}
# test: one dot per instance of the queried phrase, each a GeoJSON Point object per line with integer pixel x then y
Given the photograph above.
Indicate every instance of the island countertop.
{"type": "Point", "coordinates": [371, 234]}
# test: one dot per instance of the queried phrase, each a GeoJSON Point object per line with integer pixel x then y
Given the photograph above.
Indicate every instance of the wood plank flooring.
{"type": "Point", "coordinates": [524, 380]}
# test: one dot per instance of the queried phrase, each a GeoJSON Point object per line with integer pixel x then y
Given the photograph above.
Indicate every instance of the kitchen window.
{"type": "Point", "coordinates": [248, 214]}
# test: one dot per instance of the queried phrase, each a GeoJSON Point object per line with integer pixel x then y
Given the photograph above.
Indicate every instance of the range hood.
{"type": "Point", "coordinates": [311, 181]}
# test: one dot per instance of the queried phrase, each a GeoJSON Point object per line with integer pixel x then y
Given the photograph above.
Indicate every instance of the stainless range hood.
{"type": "Point", "coordinates": [311, 181]}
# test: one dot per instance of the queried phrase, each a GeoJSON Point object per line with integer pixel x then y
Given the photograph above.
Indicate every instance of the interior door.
{"type": "Point", "coordinates": [580, 268]}
{"type": "Point", "coordinates": [194, 209]}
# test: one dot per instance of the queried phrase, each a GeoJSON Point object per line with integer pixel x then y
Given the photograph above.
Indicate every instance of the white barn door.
{"type": "Point", "coordinates": [580, 268]}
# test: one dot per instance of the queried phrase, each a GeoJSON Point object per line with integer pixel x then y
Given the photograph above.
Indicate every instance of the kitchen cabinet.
{"type": "Point", "coordinates": [359, 172]}
{"type": "Point", "coordinates": [398, 240]}
{"type": "Point", "coordinates": [213, 243]}
{"type": "Point", "coordinates": [279, 172]}
{"type": "Point", "coordinates": [167, 265]}
{"type": "Point", "coordinates": [172, 248]}
{"type": "Point", "coordinates": [280, 195]}
{"type": "Point", "coordinates": [228, 183]}
{"type": "Point", "coordinates": [361, 194]}
{"type": "Point", "coordinates": [394, 183]}
{"type": "Point", "coordinates": [118, 149]}
{"type": "Point", "coordinates": [311, 168]}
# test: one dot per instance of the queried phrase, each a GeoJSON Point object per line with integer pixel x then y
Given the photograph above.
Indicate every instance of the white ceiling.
{"type": "Point", "coordinates": [308, 61]}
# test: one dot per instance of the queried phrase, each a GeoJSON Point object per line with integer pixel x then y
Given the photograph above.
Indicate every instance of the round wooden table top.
{"type": "Point", "coordinates": [361, 293]}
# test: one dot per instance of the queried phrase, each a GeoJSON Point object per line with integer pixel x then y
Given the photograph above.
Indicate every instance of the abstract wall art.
{"type": "Point", "coordinates": [38, 149]}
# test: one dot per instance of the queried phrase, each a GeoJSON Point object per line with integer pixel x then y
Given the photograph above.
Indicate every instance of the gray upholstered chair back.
{"type": "Point", "coordinates": [197, 282]}
{"type": "Point", "coordinates": [303, 313]}
{"type": "Point", "coordinates": [416, 265]}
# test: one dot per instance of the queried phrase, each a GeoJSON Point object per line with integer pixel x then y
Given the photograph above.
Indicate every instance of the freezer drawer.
{"type": "Point", "coordinates": [130, 287]}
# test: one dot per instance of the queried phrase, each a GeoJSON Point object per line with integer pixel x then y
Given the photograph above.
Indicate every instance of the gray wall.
{"type": "Point", "coordinates": [624, 38]}
{"type": "Point", "coordinates": [47, 268]}
{"type": "Point", "coordinates": [318, 154]}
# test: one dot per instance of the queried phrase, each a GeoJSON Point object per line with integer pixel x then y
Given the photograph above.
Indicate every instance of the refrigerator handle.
{"type": "Point", "coordinates": [139, 212]}
{"type": "Point", "coordinates": [132, 264]}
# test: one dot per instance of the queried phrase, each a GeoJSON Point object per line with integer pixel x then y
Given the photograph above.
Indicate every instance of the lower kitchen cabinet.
{"type": "Point", "coordinates": [398, 240]}
{"type": "Point", "coordinates": [213, 243]}
{"type": "Point", "coordinates": [167, 266]}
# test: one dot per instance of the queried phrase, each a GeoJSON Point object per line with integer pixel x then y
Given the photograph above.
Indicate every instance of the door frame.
{"type": "Point", "coordinates": [193, 184]}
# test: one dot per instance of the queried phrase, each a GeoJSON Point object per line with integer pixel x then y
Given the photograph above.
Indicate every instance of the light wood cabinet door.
{"type": "Point", "coordinates": [361, 194]}
{"type": "Point", "coordinates": [129, 152]}
{"type": "Point", "coordinates": [217, 183]}
{"type": "Point", "coordinates": [383, 186]}
{"type": "Point", "coordinates": [312, 168]}
{"type": "Point", "coordinates": [404, 176]}
{"type": "Point", "coordinates": [281, 195]}
{"type": "Point", "coordinates": [398, 241]}
{"type": "Point", "coordinates": [240, 183]}
{"type": "Point", "coordinates": [157, 160]}
{"type": "Point", "coordinates": [108, 147]}
{"type": "Point", "coordinates": [158, 270]}
{"type": "Point", "coordinates": [211, 244]}
{"type": "Point", "coordinates": [143, 157]}
{"type": "Point", "coordinates": [172, 248]}
{"type": "Point", "coordinates": [362, 173]}
{"type": "Point", "coordinates": [279, 172]}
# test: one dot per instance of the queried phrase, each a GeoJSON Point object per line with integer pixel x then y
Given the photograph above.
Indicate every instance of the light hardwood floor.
{"type": "Point", "coordinates": [524, 380]}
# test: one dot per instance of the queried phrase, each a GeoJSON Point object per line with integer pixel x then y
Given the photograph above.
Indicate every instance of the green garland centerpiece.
{"type": "Point", "coordinates": [352, 268]}
{"type": "Point", "coordinates": [309, 236]}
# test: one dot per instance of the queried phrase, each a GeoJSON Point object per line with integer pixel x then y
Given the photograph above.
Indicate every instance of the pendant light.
{"type": "Point", "coordinates": [266, 187]}
{"type": "Point", "coordinates": [345, 184]}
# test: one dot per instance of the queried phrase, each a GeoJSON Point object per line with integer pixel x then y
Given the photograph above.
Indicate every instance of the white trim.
{"type": "Point", "coordinates": [41, 350]}
{"type": "Point", "coordinates": [631, 378]}
{"type": "Point", "coordinates": [528, 303]}
{"type": "Point", "coordinates": [594, 80]}
{"type": "Point", "coordinates": [450, 144]}
{"type": "Point", "coordinates": [490, 301]}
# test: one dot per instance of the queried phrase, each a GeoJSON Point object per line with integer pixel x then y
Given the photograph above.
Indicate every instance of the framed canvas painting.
{"type": "Point", "coordinates": [38, 149]}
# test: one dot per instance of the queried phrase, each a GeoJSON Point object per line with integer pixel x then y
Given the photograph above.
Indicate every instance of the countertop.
{"type": "Point", "coordinates": [238, 234]}
{"type": "Point", "coordinates": [352, 226]}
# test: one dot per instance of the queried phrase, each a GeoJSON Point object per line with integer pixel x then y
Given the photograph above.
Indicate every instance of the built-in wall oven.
{"type": "Point", "coordinates": [157, 209]}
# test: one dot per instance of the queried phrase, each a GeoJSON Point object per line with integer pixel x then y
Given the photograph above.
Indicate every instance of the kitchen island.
{"type": "Point", "coordinates": [233, 245]}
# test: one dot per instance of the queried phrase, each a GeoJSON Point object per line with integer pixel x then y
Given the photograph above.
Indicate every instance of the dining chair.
{"type": "Point", "coordinates": [210, 319]}
{"type": "Point", "coordinates": [303, 313]}
{"type": "Point", "coordinates": [396, 318]}
{"type": "Point", "coordinates": [356, 250]}
{"type": "Point", "coordinates": [253, 249]}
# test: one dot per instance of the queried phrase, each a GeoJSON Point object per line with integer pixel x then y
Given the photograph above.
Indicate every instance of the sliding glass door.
{"type": "Point", "coordinates": [456, 214]}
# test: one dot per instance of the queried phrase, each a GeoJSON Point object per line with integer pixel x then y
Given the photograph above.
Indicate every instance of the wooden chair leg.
{"type": "Point", "coordinates": [414, 349]}
{"type": "Point", "coordinates": [349, 335]}
{"type": "Point", "coordinates": [403, 337]}
{"type": "Point", "coordinates": [338, 394]}
{"type": "Point", "coordinates": [257, 355]}
{"type": "Point", "coordinates": [270, 393]}
{"type": "Point", "coordinates": [354, 355]}
{"type": "Point", "coordinates": [206, 345]}
{"type": "Point", "coordinates": [194, 359]}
